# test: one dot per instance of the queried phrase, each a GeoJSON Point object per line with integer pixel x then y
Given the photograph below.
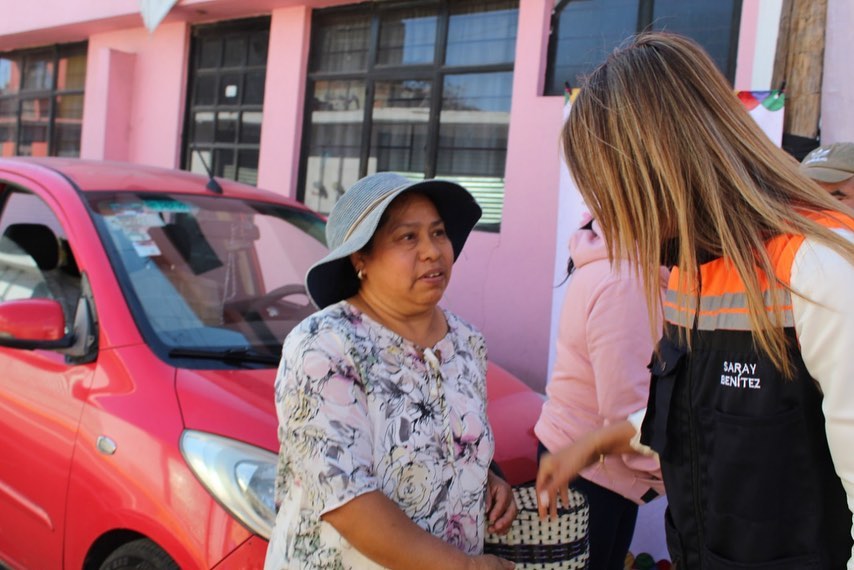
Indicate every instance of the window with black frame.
{"type": "Point", "coordinates": [418, 88]}
{"type": "Point", "coordinates": [41, 101]}
{"type": "Point", "coordinates": [228, 70]}
{"type": "Point", "coordinates": [585, 31]}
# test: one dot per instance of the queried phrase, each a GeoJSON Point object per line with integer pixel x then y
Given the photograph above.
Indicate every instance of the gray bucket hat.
{"type": "Point", "coordinates": [354, 219]}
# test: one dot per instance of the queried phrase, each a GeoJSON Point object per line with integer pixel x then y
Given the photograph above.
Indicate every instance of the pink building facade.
{"type": "Point", "coordinates": [135, 109]}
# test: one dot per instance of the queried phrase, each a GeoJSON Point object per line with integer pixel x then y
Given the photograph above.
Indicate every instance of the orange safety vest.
{"type": "Point", "coordinates": [743, 451]}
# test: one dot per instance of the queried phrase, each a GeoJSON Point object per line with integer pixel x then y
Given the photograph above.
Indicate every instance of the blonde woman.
{"type": "Point", "coordinates": [751, 405]}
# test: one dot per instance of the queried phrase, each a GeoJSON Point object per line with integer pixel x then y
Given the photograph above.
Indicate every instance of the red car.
{"type": "Point", "coordinates": [142, 313]}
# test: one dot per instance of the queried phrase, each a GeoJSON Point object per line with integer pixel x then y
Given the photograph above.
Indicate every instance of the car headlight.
{"type": "Point", "coordinates": [241, 477]}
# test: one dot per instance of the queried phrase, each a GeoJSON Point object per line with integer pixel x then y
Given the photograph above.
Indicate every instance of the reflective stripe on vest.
{"type": "Point", "coordinates": [724, 303]}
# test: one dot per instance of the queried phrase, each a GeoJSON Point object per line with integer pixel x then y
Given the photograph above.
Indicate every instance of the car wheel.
{"type": "Point", "coordinates": [141, 554]}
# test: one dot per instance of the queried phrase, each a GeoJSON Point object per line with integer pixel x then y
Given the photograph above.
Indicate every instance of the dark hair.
{"type": "Point", "coordinates": [570, 265]}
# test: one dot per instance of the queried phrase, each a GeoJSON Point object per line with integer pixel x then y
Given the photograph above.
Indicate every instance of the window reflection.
{"type": "Point", "coordinates": [228, 73]}
{"type": "Point", "coordinates": [250, 127]}
{"type": "Point", "coordinates": [209, 53]}
{"type": "Point", "coordinates": [224, 163]}
{"type": "Point", "coordinates": [203, 126]}
{"type": "Point", "coordinates": [36, 260]}
{"type": "Point", "coordinates": [38, 73]}
{"type": "Point", "coordinates": [473, 131]}
{"type": "Point", "coordinates": [10, 75]}
{"type": "Point", "coordinates": [234, 52]}
{"type": "Point", "coordinates": [407, 37]}
{"type": "Point", "coordinates": [69, 108]}
{"type": "Point", "coordinates": [247, 166]}
{"type": "Point", "coordinates": [401, 117]}
{"type": "Point", "coordinates": [67, 125]}
{"type": "Point", "coordinates": [584, 32]}
{"type": "Point", "coordinates": [194, 268]}
{"type": "Point", "coordinates": [435, 100]}
{"type": "Point", "coordinates": [8, 126]}
{"type": "Point", "coordinates": [71, 72]}
{"type": "Point", "coordinates": [587, 32]}
{"type": "Point", "coordinates": [479, 35]}
{"type": "Point", "coordinates": [226, 126]}
{"type": "Point", "coordinates": [205, 90]}
{"type": "Point", "coordinates": [341, 44]}
{"type": "Point", "coordinates": [253, 87]}
{"type": "Point", "coordinates": [33, 140]}
{"type": "Point", "coordinates": [41, 101]}
{"type": "Point", "coordinates": [258, 48]}
{"type": "Point", "coordinates": [336, 134]}
{"type": "Point", "coordinates": [200, 160]}
{"type": "Point", "coordinates": [35, 117]}
{"type": "Point", "coordinates": [710, 25]}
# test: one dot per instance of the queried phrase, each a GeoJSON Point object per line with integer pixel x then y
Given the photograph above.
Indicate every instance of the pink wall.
{"type": "Point", "coordinates": [42, 22]}
{"type": "Point", "coordinates": [152, 114]}
{"type": "Point", "coordinates": [26, 24]}
{"type": "Point", "coordinates": [746, 45]}
{"type": "Point", "coordinates": [837, 90]}
{"type": "Point", "coordinates": [53, 14]}
{"type": "Point", "coordinates": [108, 101]}
{"type": "Point", "coordinates": [284, 97]}
{"type": "Point", "coordinates": [503, 282]}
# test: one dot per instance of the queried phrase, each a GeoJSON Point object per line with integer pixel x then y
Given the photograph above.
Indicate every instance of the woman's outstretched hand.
{"type": "Point", "coordinates": [558, 469]}
{"type": "Point", "coordinates": [501, 507]}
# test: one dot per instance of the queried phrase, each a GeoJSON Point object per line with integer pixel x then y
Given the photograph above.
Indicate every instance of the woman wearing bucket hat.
{"type": "Point", "coordinates": [381, 395]}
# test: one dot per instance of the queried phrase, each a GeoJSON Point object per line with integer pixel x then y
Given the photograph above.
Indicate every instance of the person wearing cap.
{"type": "Point", "coordinates": [381, 395]}
{"type": "Point", "coordinates": [832, 166]}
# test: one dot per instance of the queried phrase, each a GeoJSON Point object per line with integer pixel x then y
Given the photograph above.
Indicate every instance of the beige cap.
{"type": "Point", "coordinates": [830, 163]}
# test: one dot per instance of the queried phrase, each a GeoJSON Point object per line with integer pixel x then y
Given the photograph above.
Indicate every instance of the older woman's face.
{"type": "Point", "coordinates": [409, 263]}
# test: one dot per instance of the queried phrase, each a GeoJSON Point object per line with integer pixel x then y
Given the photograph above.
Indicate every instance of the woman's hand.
{"type": "Point", "coordinates": [558, 469]}
{"type": "Point", "coordinates": [377, 528]}
{"type": "Point", "coordinates": [500, 505]}
{"type": "Point", "coordinates": [489, 562]}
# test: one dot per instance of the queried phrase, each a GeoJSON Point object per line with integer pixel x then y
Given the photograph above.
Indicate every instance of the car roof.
{"type": "Point", "coordinates": [97, 175]}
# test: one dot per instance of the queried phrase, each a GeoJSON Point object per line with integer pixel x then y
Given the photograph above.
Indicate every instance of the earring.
{"type": "Point", "coordinates": [360, 275]}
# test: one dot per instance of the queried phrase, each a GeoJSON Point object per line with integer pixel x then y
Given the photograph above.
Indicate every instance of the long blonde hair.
{"type": "Point", "coordinates": [660, 147]}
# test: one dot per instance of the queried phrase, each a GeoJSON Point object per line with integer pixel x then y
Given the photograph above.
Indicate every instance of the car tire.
{"type": "Point", "coordinates": [141, 554]}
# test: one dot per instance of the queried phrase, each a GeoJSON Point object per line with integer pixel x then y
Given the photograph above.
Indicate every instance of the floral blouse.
{"type": "Point", "coordinates": [362, 409]}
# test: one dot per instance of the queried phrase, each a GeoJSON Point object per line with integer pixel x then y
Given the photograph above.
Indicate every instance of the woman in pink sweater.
{"type": "Point", "coordinates": [600, 376]}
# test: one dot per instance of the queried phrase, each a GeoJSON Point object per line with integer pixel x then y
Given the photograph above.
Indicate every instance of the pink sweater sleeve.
{"type": "Point", "coordinates": [620, 346]}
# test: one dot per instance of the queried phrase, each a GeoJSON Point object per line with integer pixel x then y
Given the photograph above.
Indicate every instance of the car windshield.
{"type": "Point", "coordinates": [211, 277]}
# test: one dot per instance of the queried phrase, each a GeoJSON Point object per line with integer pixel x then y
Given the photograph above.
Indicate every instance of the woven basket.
{"type": "Point", "coordinates": [561, 544]}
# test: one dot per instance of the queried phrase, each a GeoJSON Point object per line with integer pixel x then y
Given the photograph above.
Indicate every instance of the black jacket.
{"type": "Point", "coordinates": [745, 460]}
{"type": "Point", "coordinates": [744, 454]}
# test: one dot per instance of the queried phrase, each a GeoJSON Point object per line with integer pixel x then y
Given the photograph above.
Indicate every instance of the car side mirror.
{"type": "Point", "coordinates": [32, 324]}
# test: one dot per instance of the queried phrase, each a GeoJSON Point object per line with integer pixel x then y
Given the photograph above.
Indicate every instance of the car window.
{"type": "Point", "coordinates": [36, 260]}
{"type": "Point", "coordinates": [211, 273]}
